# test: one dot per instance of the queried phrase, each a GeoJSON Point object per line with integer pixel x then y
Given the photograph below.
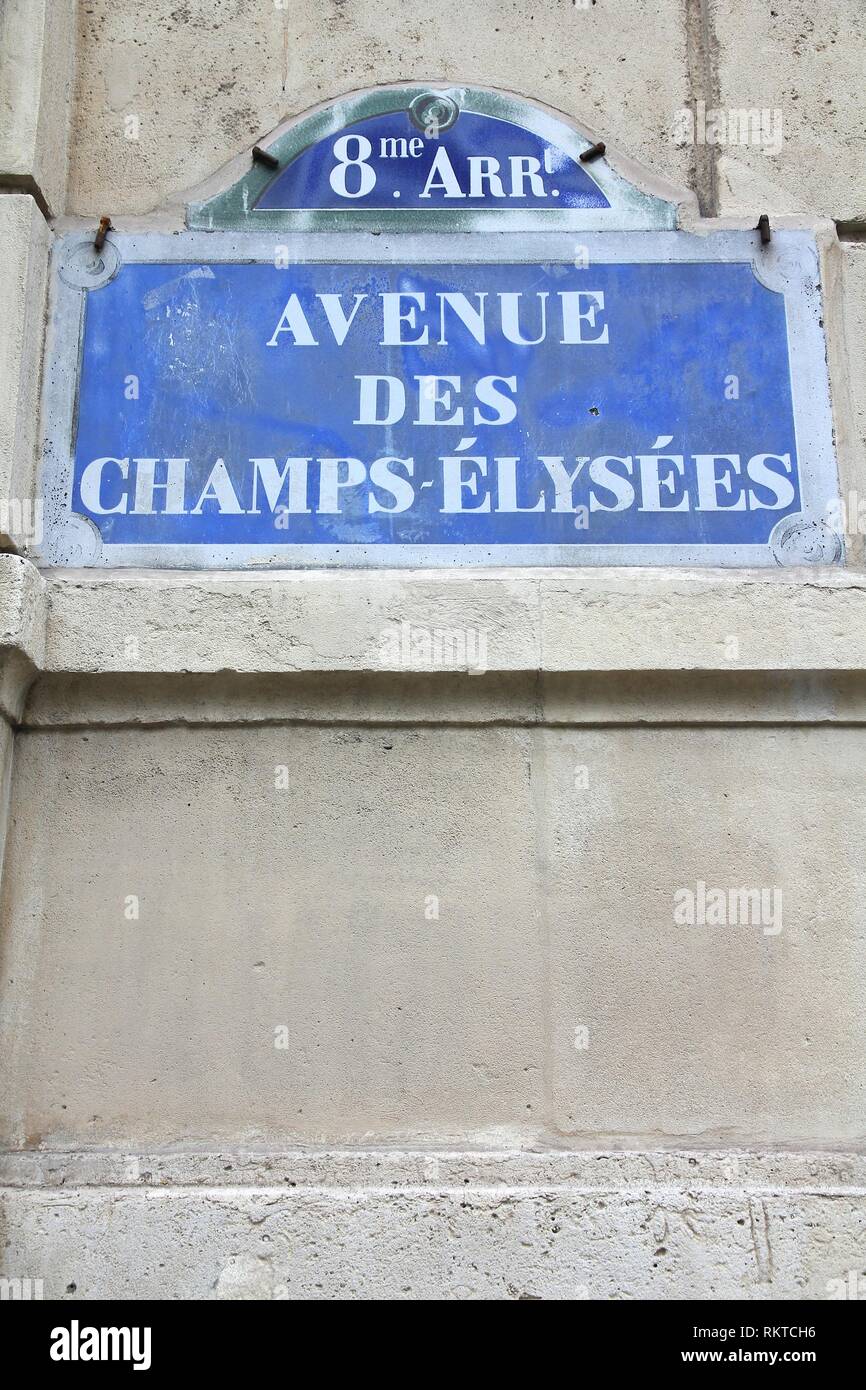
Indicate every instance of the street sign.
{"type": "Point", "coordinates": [410, 158]}
{"type": "Point", "coordinates": [384, 397]}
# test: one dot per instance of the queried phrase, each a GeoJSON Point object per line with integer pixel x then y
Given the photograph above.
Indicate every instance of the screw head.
{"type": "Point", "coordinates": [432, 112]}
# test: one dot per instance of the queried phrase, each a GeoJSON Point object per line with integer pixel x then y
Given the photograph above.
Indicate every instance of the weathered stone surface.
{"type": "Point", "coordinates": [748, 1029]}
{"type": "Point", "coordinates": [22, 632]}
{"type": "Point", "coordinates": [23, 609]}
{"type": "Point", "coordinates": [378, 908]}
{"type": "Point", "coordinates": [204, 86]}
{"type": "Point", "coordinates": [394, 898]}
{"type": "Point", "coordinates": [806, 63]}
{"type": "Point", "coordinates": [574, 620]}
{"type": "Point", "coordinates": [458, 1225]}
{"type": "Point", "coordinates": [24, 247]}
{"type": "Point", "coordinates": [37, 59]}
{"type": "Point", "coordinates": [236, 817]}
{"type": "Point", "coordinates": [520, 698]}
{"type": "Point", "coordinates": [853, 333]}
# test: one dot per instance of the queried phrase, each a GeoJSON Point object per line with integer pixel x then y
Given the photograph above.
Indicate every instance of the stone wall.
{"type": "Point", "coordinates": [325, 977]}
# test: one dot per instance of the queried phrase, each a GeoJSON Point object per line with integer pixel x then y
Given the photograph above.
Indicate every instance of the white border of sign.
{"type": "Point", "coordinates": [788, 265]}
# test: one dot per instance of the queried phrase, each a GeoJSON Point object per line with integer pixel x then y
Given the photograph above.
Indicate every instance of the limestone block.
{"type": "Point", "coordinates": [386, 1224]}
{"type": "Point", "coordinates": [273, 931]}
{"type": "Point", "coordinates": [620, 619]}
{"type": "Point", "coordinates": [746, 1024]}
{"type": "Point", "coordinates": [37, 60]}
{"type": "Point", "coordinates": [24, 247]}
{"type": "Point", "coordinates": [169, 93]}
{"type": "Point", "coordinates": [798, 69]}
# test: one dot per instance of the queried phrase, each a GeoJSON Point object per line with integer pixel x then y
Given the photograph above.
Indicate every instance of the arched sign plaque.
{"type": "Point", "coordinates": [420, 329]}
{"type": "Point", "coordinates": [416, 159]}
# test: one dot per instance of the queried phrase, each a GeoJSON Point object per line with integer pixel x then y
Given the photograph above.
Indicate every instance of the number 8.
{"type": "Point", "coordinates": [346, 161]}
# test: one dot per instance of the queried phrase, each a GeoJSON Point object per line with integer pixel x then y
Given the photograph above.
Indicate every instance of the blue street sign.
{"type": "Point", "coordinates": [422, 330]}
{"type": "Point", "coordinates": [492, 405]}
{"type": "Point", "coordinates": [658, 400]}
{"type": "Point", "coordinates": [413, 157]}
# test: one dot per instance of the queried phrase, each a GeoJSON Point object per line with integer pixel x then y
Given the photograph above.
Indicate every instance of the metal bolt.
{"type": "Point", "coordinates": [594, 152]}
{"type": "Point", "coordinates": [264, 157]}
{"type": "Point", "coordinates": [102, 232]}
{"type": "Point", "coordinates": [764, 228]}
